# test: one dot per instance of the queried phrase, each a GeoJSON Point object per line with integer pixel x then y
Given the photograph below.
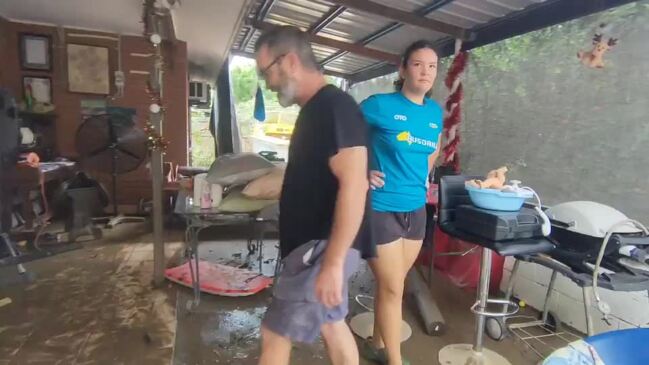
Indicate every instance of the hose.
{"type": "Point", "coordinates": [538, 199]}
{"type": "Point", "coordinates": [600, 256]}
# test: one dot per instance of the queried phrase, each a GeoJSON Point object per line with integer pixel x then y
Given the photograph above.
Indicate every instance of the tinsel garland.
{"type": "Point", "coordinates": [454, 111]}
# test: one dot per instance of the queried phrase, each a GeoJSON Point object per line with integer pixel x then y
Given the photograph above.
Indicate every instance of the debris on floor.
{"type": "Point", "coordinates": [5, 301]}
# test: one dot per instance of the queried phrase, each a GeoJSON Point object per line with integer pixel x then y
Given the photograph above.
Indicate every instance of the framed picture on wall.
{"type": "Point", "coordinates": [35, 52]}
{"type": "Point", "coordinates": [88, 69]}
{"type": "Point", "coordinates": [41, 88]}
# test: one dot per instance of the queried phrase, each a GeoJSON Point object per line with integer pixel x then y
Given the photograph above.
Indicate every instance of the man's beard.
{"type": "Point", "coordinates": [286, 94]}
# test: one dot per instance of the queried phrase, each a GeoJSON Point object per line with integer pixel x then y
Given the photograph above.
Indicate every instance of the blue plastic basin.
{"type": "Point", "coordinates": [621, 347]}
{"type": "Point", "coordinates": [493, 199]}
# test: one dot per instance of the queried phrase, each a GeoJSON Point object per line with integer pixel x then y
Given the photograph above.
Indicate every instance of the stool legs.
{"type": "Point", "coordinates": [476, 353]}
{"type": "Point", "coordinates": [483, 295]}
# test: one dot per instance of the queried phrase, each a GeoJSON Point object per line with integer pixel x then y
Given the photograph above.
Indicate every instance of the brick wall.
{"type": "Point", "coordinates": [4, 30]}
{"type": "Point", "coordinates": [134, 185]}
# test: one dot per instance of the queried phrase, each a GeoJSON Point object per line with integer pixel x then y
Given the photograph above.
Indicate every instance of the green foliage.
{"type": "Point", "coordinates": [202, 142]}
{"type": "Point", "coordinates": [244, 82]}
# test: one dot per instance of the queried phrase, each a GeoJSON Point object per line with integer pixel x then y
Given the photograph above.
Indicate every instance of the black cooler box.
{"type": "Point", "coordinates": [498, 226]}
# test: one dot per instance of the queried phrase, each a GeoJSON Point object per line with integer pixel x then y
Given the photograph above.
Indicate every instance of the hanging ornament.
{"type": "Point", "coordinates": [155, 142]}
{"type": "Point", "coordinates": [595, 57]}
{"type": "Point", "coordinates": [155, 39]}
{"type": "Point", "coordinates": [154, 108]}
{"type": "Point", "coordinates": [453, 108]}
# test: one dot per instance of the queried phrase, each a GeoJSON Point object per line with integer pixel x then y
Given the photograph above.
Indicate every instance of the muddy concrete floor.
{"type": "Point", "coordinates": [226, 330]}
{"type": "Point", "coordinates": [96, 305]}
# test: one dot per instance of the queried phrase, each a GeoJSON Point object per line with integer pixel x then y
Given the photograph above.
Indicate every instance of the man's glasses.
{"type": "Point", "coordinates": [263, 72]}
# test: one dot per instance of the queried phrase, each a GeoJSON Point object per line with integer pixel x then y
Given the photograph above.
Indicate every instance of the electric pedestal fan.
{"type": "Point", "coordinates": [111, 143]}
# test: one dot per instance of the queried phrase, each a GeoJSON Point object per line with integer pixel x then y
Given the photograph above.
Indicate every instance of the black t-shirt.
{"type": "Point", "coordinates": [331, 120]}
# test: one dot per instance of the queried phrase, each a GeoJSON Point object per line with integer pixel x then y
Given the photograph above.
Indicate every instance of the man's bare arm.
{"type": "Point", "coordinates": [350, 167]}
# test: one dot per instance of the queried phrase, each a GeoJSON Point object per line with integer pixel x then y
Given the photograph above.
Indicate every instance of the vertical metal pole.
{"type": "Point", "coordinates": [510, 284]}
{"type": "Point", "coordinates": [483, 294]}
{"type": "Point", "coordinates": [431, 268]}
{"type": "Point", "coordinates": [587, 306]}
{"type": "Point", "coordinates": [548, 295]}
{"type": "Point", "coordinates": [157, 181]}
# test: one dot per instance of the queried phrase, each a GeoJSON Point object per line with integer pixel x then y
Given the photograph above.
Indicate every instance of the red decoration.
{"type": "Point", "coordinates": [458, 66]}
{"type": "Point", "coordinates": [454, 111]}
{"type": "Point", "coordinates": [455, 98]}
{"type": "Point", "coordinates": [452, 119]}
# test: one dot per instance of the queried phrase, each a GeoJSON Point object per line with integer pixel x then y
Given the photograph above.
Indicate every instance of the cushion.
{"type": "Point", "coordinates": [220, 279]}
{"type": "Point", "coordinates": [236, 202]}
{"type": "Point", "coordinates": [268, 186]}
{"type": "Point", "coordinates": [240, 168]}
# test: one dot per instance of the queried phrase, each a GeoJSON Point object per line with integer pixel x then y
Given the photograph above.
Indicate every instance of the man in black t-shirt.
{"type": "Point", "coordinates": [322, 206]}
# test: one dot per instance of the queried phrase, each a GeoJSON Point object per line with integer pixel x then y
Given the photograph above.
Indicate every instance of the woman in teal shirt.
{"type": "Point", "coordinates": [405, 134]}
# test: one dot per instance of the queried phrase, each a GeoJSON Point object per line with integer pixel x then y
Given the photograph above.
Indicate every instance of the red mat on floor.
{"type": "Point", "coordinates": [220, 279]}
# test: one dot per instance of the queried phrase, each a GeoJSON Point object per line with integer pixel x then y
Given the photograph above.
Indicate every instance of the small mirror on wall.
{"type": "Point", "coordinates": [35, 52]}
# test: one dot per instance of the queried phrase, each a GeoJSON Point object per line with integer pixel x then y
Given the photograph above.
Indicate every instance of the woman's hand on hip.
{"type": "Point", "coordinates": [377, 179]}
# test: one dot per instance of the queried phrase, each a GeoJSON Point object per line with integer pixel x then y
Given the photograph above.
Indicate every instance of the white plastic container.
{"type": "Point", "coordinates": [215, 191]}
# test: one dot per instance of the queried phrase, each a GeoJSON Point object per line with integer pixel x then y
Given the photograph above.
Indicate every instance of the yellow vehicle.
{"type": "Point", "coordinates": [279, 125]}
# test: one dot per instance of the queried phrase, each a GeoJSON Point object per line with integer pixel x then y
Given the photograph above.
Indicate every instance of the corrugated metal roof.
{"type": "Point", "coordinates": [397, 40]}
{"type": "Point", "coordinates": [350, 63]}
{"type": "Point", "coordinates": [374, 31]}
{"type": "Point", "coordinates": [322, 52]}
{"type": "Point", "coordinates": [301, 13]}
{"type": "Point", "coordinates": [405, 5]}
{"type": "Point", "coordinates": [353, 25]}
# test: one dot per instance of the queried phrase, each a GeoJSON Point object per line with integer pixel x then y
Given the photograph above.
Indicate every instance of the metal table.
{"type": "Point", "coordinates": [198, 219]}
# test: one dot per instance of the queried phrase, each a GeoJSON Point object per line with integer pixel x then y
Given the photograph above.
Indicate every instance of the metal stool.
{"type": "Point", "coordinates": [452, 194]}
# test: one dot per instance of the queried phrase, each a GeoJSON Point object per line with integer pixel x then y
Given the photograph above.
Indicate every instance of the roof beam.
{"type": "Point", "coordinates": [344, 46]}
{"type": "Point", "coordinates": [261, 14]}
{"type": "Point", "coordinates": [335, 73]}
{"type": "Point", "coordinates": [423, 11]}
{"type": "Point", "coordinates": [246, 39]}
{"type": "Point", "coordinates": [378, 34]}
{"type": "Point", "coordinates": [404, 17]}
{"type": "Point", "coordinates": [326, 19]}
{"type": "Point", "coordinates": [264, 9]}
{"type": "Point", "coordinates": [370, 73]}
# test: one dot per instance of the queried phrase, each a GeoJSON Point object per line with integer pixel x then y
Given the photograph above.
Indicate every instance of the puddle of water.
{"type": "Point", "coordinates": [233, 329]}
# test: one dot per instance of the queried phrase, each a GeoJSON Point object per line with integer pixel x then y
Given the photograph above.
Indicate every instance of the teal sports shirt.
{"type": "Point", "coordinates": [402, 136]}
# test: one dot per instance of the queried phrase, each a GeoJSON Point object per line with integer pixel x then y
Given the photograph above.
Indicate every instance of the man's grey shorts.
{"type": "Point", "coordinates": [295, 312]}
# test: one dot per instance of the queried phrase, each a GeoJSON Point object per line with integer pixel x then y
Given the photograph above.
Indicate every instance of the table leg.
{"type": "Point", "coordinates": [4, 238]}
{"type": "Point", "coordinates": [260, 246]}
{"type": "Point", "coordinates": [193, 254]}
{"type": "Point", "coordinates": [197, 284]}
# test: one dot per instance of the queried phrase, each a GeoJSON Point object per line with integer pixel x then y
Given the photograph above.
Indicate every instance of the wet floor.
{"type": "Point", "coordinates": [225, 330]}
{"type": "Point", "coordinates": [89, 306]}
{"type": "Point", "coordinates": [97, 306]}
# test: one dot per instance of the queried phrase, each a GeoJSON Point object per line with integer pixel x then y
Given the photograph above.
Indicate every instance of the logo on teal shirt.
{"type": "Point", "coordinates": [405, 136]}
